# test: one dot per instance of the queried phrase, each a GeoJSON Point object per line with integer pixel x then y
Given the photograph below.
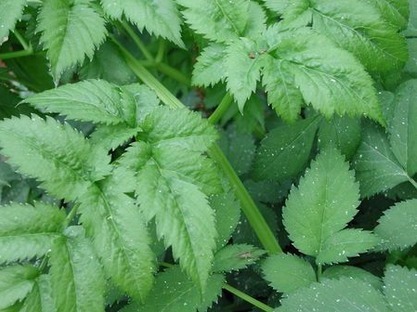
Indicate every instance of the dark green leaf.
{"type": "Point", "coordinates": [400, 288]}
{"type": "Point", "coordinates": [339, 271]}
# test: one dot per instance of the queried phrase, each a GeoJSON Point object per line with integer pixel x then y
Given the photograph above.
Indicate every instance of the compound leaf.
{"type": "Point", "coordinates": [322, 204]}
{"type": "Point", "coordinates": [284, 152]}
{"type": "Point", "coordinates": [15, 283]}
{"type": "Point", "coordinates": [90, 100]}
{"type": "Point", "coordinates": [209, 68]}
{"type": "Point", "coordinates": [10, 12]}
{"type": "Point", "coordinates": [400, 288]}
{"type": "Point", "coordinates": [346, 243]}
{"type": "Point", "coordinates": [160, 18]}
{"type": "Point", "coordinates": [59, 156]}
{"type": "Point", "coordinates": [76, 277]}
{"type": "Point", "coordinates": [287, 273]}
{"type": "Point", "coordinates": [217, 20]}
{"type": "Point", "coordinates": [28, 231]}
{"type": "Point", "coordinates": [377, 168]}
{"type": "Point", "coordinates": [342, 295]}
{"type": "Point", "coordinates": [70, 30]}
{"type": "Point", "coordinates": [403, 127]}
{"type": "Point", "coordinates": [397, 227]}
{"type": "Point", "coordinates": [119, 237]}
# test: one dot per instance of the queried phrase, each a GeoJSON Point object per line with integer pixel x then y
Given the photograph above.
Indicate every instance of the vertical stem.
{"type": "Point", "coordinates": [138, 41]}
{"type": "Point", "coordinates": [247, 298]}
{"type": "Point", "coordinates": [221, 109]}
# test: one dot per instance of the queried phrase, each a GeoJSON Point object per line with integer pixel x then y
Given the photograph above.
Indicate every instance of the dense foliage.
{"type": "Point", "coordinates": [216, 155]}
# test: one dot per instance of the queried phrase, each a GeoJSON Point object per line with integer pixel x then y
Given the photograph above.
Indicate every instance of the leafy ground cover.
{"type": "Point", "coordinates": [217, 155]}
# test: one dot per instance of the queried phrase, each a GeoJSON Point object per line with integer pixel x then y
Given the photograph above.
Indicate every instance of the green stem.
{"type": "Point", "coordinates": [15, 54]}
{"type": "Point", "coordinates": [138, 41]}
{"type": "Point", "coordinates": [173, 73]}
{"type": "Point", "coordinates": [414, 183]}
{"type": "Point", "coordinates": [221, 109]}
{"type": "Point", "coordinates": [161, 51]}
{"type": "Point", "coordinates": [249, 208]}
{"type": "Point", "coordinates": [319, 272]}
{"type": "Point", "coordinates": [247, 298]}
{"type": "Point", "coordinates": [22, 40]}
{"type": "Point", "coordinates": [71, 215]}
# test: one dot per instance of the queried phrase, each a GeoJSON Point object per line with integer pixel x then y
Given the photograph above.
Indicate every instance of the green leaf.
{"type": "Point", "coordinates": [322, 204]}
{"type": "Point", "coordinates": [119, 236]}
{"type": "Point", "coordinates": [287, 273]}
{"type": "Point", "coordinates": [284, 152]}
{"type": "Point", "coordinates": [235, 257]}
{"type": "Point", "coordinates": [28, 231]}
{"type": "Point", "coordinates": [217, 20]}
{"type": "Point", "coordinates": [10, 12]}
{"type": "Point", "coordinates": [376, 167]}
{"type": "Point", "coordinates": [76, 277]}
{"type": "Point", "coordinates": [160, 18]}
{"type": "Point", "coordinates": [396, 12]}
{"type": "Point", "coordinates": [329, 78]}
{"type": "Point", "coordinates": [400, 288]}
{"type": "Point", "coordinates": [397, 227]}
{"type": "Point", "coordinates": [70, 30]}
{"type": "Point", "coordinates": [112, 136]}
{"type": "Point", "coordinates": [15, 283]}
{"type": "Point", "coordinates": [403, 126]}
{"type": "Point", "coordinates": [352, 272]}
{"type": "Point", "coordinates": [341, 132]}
{"type": "Point", "coordinates": [41, 297]}
{"type": "Point", "coordinates": [91, 100]}
{"type": "Point", "coordinates": [209, 68]}
{"type": "Point", "coordinates": [59, 156]}
{"type": "Point", "coordinates": [172, 180]}
{"type": "Point", "coordinates": [346, 243]}
{"type": "Point", "coordinates": [342, 295]}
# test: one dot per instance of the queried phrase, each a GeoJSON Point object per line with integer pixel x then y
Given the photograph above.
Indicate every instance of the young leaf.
{"type": "Point", "coordinates": [329, 78]}
{"type": "Point", "coordinates": [342, 295]}
{"type": "Point", "coordinates": [10, 12]}
{"type": "Point", "coordinates": [174, 292]}
{"type": "Point", "coordinates": [403, 126]}
{"type": "Point", "coordinates": [339, 271]}
{"type": "Point", "coordinates": [70, 30]}
{"type": "Point", "coordinates": [235, 257]}
{"type": "Point", "coordinates": [28, 231]}
{"type": "Point", "coordinates": [15, 283]}
{"type": "Point", "coordinates": [119, 237]}
{"type": "Point", "coordinates": [91, 100]}
{"type": "Point", "coordinates": [76, 277]}
{"type": "Point", "coordinates": [59, 156]}
{"type": "Point", "coordinates": [285, 150]}
{"type": "Point", "coordinates": [217, 20]}
{"type": "Point", "coordinates": [160, 18]}
{"type": "Point", "coordinates": [342, 132]}
{"type": "Point", "coordinates": [322, 204]}
{"type": "Point", "coordinates": [376, 167]}
{"type": "Point", "coordinates": [346, 243]}
{"type": "Point", "coordinates": [209, 68]}
{"type": "Point", "coordinates": [400, 288]}
{"type": "Point", "coordinates": [287, 273]}
{"type": "Point", "coordinates": [397, 227]}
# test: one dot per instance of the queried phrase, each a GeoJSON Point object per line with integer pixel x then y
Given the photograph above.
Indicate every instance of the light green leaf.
{"type": "Point", "coordinates": [76, 277]}
{"type": "Point", "coordinates": [376, 167]}
{"type": "Point", "coordinates": [396, 12]}
{"type": "Point", "coordinates": [284, 152]}
{"type": "Point", "coordinates": [28, 231]}
{"type": "Point", "coordinates": [119, 236]}
{"type": "Point", "coordinates": [403, 126]}
{"type": "Point", "coordinates": [329, 78]}
{"type": "Point", "coordinates": [59, 156]}
{"type": "Point", "coordinates": [174, 292]}
{"type": "Point", "coordinates": [235, 257]}
{"type": "Point", "coordinates": [397, 227]}
{"type": "Point", "coordinates": [400, 288]}
{"type": "Point", "coordinates": [322, 204]}
{"type": "Point", "coordinates": [160, 18]}
{"type": "Point", "coordinates": [342, 295]}
{"type": "Point", "coordinates": [91, 100]}
{"type": "Point", "coordinates": [10, 12]}
{"type": "Point", "coordinates": [339, 271]}
{"type": "Point", "coordinates": [15, 283]}
{"type": "Point", "coordinates": [112, 136]}
{"type": "Point", "coordinates": [287, 273]}
{"type": "Point", "coordinates": [209, 68]}
{"type": "Point", "coordinates": [341, 132]}
{"type": "Point", "coordinates": [346, 243]}
{"type": "Point", "coordinates": [217, 20]}
{"type": "Point", "coordinates": [70, 30]}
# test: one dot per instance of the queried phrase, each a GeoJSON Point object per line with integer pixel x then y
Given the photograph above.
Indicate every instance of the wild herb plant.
{"type": "Point", "coordinates": [221, 155]}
